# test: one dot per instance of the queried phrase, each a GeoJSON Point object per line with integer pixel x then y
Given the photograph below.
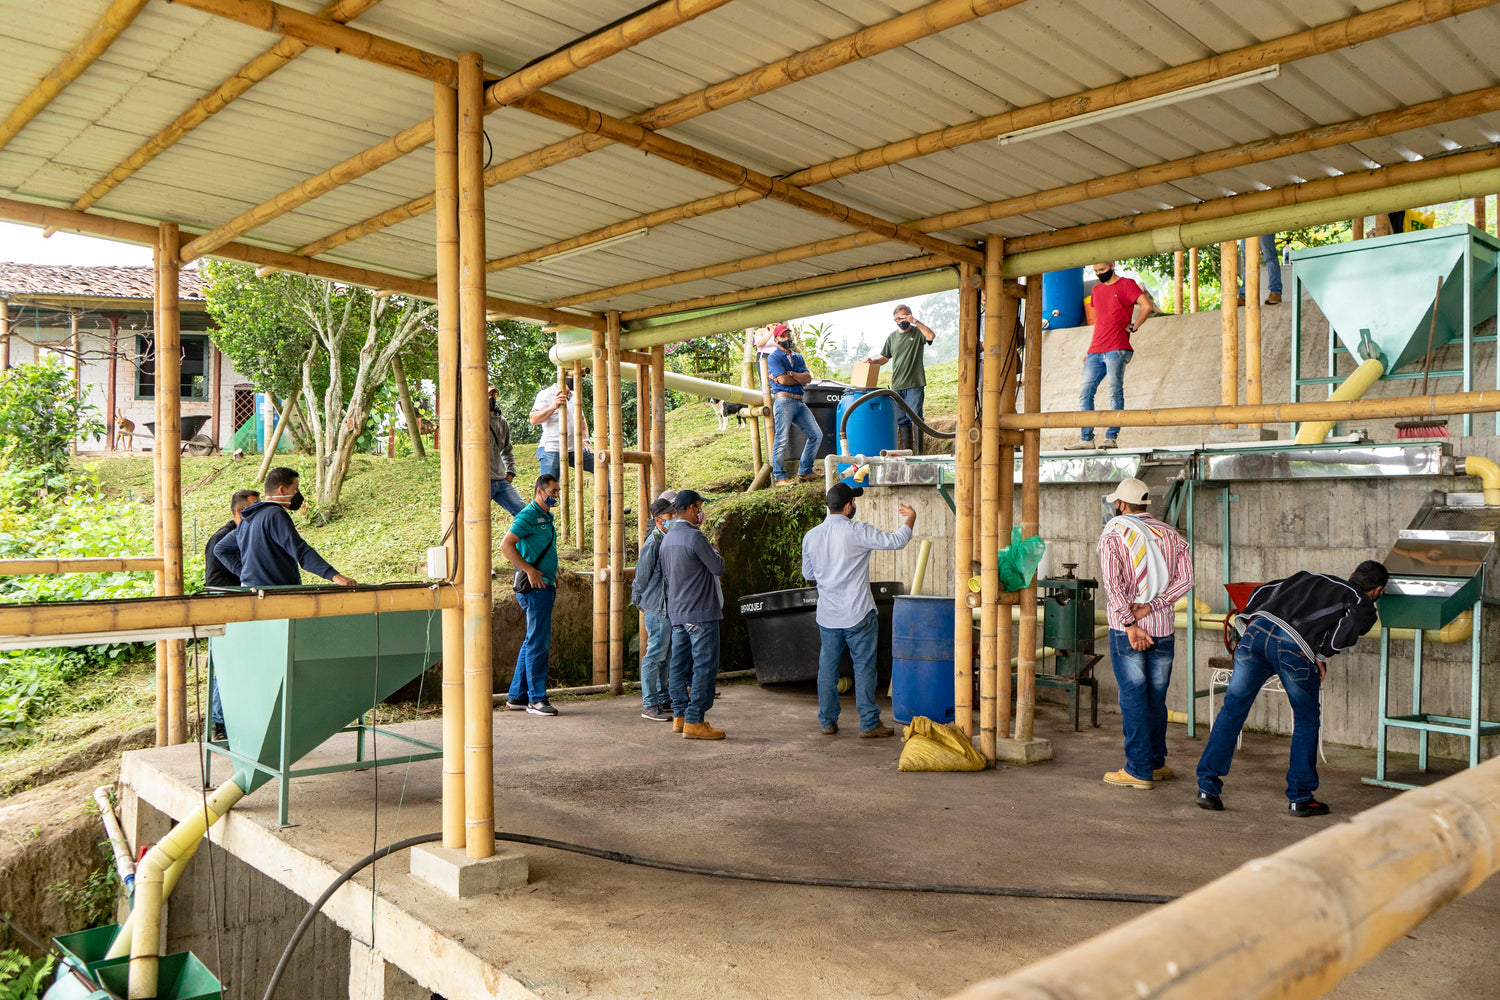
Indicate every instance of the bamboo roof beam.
{"type": "Point", "coordinates": [1472, 103]}
{"type": "Point", "coordinates": [235, 86]}
{"type": "Point", "coordinates": [67, 220]}
{"type": "Point", "coordinates": [1300, 45]}
{"type": "Point", "coordinates": [117, 17]}
{"type": "Point", "coordinates": [326, 33]}
{"type": "Point", "coordinates": [914, 25]}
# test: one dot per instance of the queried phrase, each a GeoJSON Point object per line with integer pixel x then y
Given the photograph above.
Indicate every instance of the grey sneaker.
{"type": "Point", "coordinates": [1108, 444]}
{"type": "Point", "coordinates": [540, 708]}
{"type": "Point", "coordinates": [655, 714]}
{"type": "Point", "coordinates": [1080, 445]}
{"type": "Point", "coordinates": [515, 706]}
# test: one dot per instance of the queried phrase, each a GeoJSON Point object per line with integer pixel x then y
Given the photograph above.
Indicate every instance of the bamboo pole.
{"type": "Point", "coordinates": [1252, 325]}
{"type": "Point", "coordinates": [104, 564]}
{"type": "Point", "coordinates": [576, 415]}
{"type": "Point", "coordinates": [1177, 302]}
{"type": "Point", "coordinates": [1031, 452]}
{"type": "Point", "coordinates": [748, 369]}
{"type": "Point", "coordinates": [216, 396]}
{"type": "Point", "coordinates": [479, 606]}
{"type": "Point", "coordinates": [989, 500]}
{"type": "Point", "coordinates": [1193, 278]}
{"type": "Point", "coordinates": [564, 474]}
{"type": "Point", "coordinates": [616, 507]}
{"type": "Point", "coordinates": [5, 337]}
{"type": "Point", "coordinates": [600, 379]}
{"type": "Point", "coordinates": [169, 443]}
{"type": "Point", "coordinates": [1357, 228]}
{"type": "Point", "coordinates": [1009, 314]}
{"type": "Point", "coordinates": [273, 440]}
{"type": "Point", "coordinates": [1479, 214]}
{"type": "Point", "coordinates": [112, 379]}
{"type": "Point", "coordinates": [403, 393]}
{"type": "Point", "coordinates": [117, 17]}
{"type": "Point", "coordinates": [448, 442]}
{"type": "Point", "coordinates": [643, 487]}
{"type": "Point", "coordinates": [963, 498]}
{"type": "Point", "coordinates": [159, 579]}
{"type": "Point", "coordinates": [77, 350]}
{"type": "Point", "coordinates": [1229, 317]}
{"type": "Point", "coordinates": [658, 420]}
{"type": "Point", "coordinates": [770, 408]}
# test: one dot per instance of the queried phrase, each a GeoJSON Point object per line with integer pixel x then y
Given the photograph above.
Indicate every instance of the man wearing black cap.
{"type": "Point", "coordinates": [695, 605]}
{"type": "Point", "coordinates": [836, 556]}
{"type": "Point", "coordinates": [649, 593]}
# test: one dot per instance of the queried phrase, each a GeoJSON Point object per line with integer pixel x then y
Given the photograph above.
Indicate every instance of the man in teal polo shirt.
{"type": "Point", "coordinates": [903, 348]}
{"type": "Point", "coordinates": [531, 547]}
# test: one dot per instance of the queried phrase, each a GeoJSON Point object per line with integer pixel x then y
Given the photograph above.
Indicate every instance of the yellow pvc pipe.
{"type": "Point", "coordinates": [1353, 387]}
{"type": "Point", "coordinates": [920, 576]}
{"type": "Point", "coordinates": [1489, 474]}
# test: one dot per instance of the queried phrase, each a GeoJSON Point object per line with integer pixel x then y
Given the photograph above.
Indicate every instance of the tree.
{"type": "Point", "coordinates": [40, 417]}
{"type": "Point", "coordinates": [1156, 269]}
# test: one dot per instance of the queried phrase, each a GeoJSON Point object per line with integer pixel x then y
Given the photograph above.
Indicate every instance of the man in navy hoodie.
{"type": "Point", "coordinates": [265, 550]}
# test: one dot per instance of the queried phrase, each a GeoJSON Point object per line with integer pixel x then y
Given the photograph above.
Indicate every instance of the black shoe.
{"type": "Point", "coordinates": [1210, 802]}
{"type": "Point", "coordinates": [1312, 807]}
{"type": "Point", "coordinates": [540, 708]}
{"type": "Point", "coordinates": [217, 735]}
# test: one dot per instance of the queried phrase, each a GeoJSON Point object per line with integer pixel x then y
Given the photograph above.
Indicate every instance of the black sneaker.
{"type": "Point", "coordinates": [218, 735]}
{"type": "Point", "coordinates": [540, 708]}
{"type": "Point", "coordinates": [515, 706]}
{"type": "Point", "coordinates": [655, 714]}
{"type": "Point", "coordinates": [1312, 807]}
{"type": "Point", "coordinates": [1210, 802]}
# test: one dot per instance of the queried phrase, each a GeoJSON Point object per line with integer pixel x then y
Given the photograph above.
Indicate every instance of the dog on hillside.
{"type": "Point", "coordinates": [724, 410]}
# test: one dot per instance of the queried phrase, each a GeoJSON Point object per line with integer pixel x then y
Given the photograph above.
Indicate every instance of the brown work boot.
{"type": "Point", "coordinates": [701, 731]}
{"type": "Point", "coordinates": [876, 731]}
{"type": "Point", "coordinates": [811, 477]}
{"type": "Point", "coordinates": [786, 482]}
{"type": "Point", "coordinates": [1240, 301]}
{"type": "Point", "coordinates": [1163, 773]}
{"type": "Point", "coordinates": [677, 723]}
{"type": "Point", "coordinates": [1274, 299]}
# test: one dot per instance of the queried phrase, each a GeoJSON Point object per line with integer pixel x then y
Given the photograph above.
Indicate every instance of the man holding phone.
{"type": "Point", "coordinates": [903, 348]}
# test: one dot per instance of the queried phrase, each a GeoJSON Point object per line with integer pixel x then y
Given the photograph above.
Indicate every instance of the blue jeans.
{"type": "Point", "coordinates": [695, 659]}
{"type": "Point", "coordinates": [788, 412]}
{"type": "Point", "coordinates": [1269, 260]}
{"type": "Point", "coordinates": [654, 661]}
{"type": "Point", "coordinates": [913, 397]}
{"type": "Point", "coordinates": [861, 641]}
{"type": "Point", "coordinates": [215, 706]}
{"type": "Point", "coordinates": [551, 461]}
{"type": "Point", "coordinates": [1095, 368]}
{"type": "Point", "coordinates": [504, 493]}
{"type": "Point", "coordinates": [1266, 650]}
{"type": "Point", "coordinates": [529, 683]}
{"type": "Point", "coordinates": [1143, 678]}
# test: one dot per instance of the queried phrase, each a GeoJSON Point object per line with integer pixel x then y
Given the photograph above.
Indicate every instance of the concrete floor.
{"type": "Point", "coordinates": [778, 796]}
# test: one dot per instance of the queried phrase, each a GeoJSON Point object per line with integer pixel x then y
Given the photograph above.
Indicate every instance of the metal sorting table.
{"type": "Point", "coordinates": [1439, 568]}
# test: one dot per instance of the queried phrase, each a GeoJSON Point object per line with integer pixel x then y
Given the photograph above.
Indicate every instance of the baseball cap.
{"type": "Point", "coordinates": [841, 494]}
{"type": "Point", "coordinates": [685, 499]}
{"type": "Point", "coordinates": [1131, 491]}
{"type": "Point", "coordinates": [659, 507]}
{"type": "Point", "coordinates": [668, 495]}
{"type": "Point", "coordinates": [779, 329]}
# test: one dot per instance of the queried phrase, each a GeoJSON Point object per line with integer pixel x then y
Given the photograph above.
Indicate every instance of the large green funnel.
{"type": "Point", "coordinates": [289, 685]}
{"type": "Point", "coordinates": [1383, 288]}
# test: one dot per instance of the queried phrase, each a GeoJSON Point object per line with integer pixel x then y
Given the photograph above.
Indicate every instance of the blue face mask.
{"type": "Point", "coordinates": [550, 501]}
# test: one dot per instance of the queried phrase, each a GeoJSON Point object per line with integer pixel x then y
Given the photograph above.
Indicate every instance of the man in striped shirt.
{"type": "Point", "coordinates": [1145, 567]}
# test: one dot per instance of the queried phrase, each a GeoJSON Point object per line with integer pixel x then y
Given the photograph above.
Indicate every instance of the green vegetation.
{"type": "Point", "coordinates": [22, 977]}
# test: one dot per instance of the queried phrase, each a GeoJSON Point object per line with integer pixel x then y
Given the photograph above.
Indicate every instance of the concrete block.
{"type": "Point", "coordinates": [461, 876]}
{"type": "Point", "coordinates": [1032, 751]}
{"type": "Point", "coordinates": [1225, 435]}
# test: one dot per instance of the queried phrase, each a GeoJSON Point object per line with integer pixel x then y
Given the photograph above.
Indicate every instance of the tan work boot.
{"type": "Point", "coordinates": [677, 723]}
{"type": "Point", "coordinates": [786, 482]}
{"type": "Point", "coordinates": [878, 730]}
{"type": "Point", "coordinates": [1274, 299]}
{"type": "Point", "coordinates": [701, 731]}
{"type": "Point", "coordinates": [1163, 773]}
{"type": "Point", "coordinates": [811, 477]}
{"type": "Point", "coordinates": [1126, 779]}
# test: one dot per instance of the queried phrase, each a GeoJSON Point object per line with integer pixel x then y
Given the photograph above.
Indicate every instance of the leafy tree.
{"type": "Point", "coordinates": [1156, 269]}
{"type": "Point", "coordinates": [40, 417]}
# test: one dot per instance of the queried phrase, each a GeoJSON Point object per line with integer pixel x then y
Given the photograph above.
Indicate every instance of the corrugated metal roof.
{"type": "Point", "coordinates": [323, 108]}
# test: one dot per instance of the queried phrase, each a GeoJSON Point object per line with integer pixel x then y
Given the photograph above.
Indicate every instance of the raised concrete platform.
{"type": "Point", "coordinates": [775, 796]}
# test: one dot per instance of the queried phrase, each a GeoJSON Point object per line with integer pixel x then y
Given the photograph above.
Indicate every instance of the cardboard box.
{"type": "Point", "coordinates": [865, 376]}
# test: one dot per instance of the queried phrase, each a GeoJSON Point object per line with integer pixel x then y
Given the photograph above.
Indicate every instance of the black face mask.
{"type": "Point", "coordinates": [1104, 276]}
{"type": "Point", "coordinates": [785, 343]}
{"type": "Point", "coordinates": [296, 503]}
{"type": "Point", "coordinates": [904, 324]}
{"type": "Point", "coordinates": [494, 406]}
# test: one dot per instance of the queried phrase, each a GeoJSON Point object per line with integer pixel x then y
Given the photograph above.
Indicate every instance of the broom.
{"type": "Point", "coordinates": [1432, 426]}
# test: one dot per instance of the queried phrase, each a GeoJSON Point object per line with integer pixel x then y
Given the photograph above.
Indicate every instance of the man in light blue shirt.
{"type": "Point", "coordinates": [836, 556]}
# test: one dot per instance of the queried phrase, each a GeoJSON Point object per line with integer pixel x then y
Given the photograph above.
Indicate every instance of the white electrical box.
{"type": "Point", "coordinates": [437, 563]}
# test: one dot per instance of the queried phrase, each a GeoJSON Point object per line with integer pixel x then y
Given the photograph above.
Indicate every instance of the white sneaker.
{"type": "Point", "coordinates": [1080, 445]}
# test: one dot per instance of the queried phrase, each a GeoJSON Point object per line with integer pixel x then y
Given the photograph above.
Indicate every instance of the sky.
{"type": "Point", "coordinates": [25, 245]}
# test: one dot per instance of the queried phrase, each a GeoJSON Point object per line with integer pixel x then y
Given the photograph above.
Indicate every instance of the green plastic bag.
{"type": "Point", "coordinates": [1019, 560]}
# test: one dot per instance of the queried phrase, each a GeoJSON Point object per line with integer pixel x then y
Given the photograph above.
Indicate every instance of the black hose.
{"type": "Point", "coordinates": [674, 866]}
{"type": "Point", "coordinates": [916, 418]}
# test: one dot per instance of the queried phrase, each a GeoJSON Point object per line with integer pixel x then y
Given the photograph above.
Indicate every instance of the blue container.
{"type": "Point", "coordinates": [922, 658]}
{"type": "Point", "coordinates": [1062, 299]}
{"type": "Point", "coordinates": [871, 429]}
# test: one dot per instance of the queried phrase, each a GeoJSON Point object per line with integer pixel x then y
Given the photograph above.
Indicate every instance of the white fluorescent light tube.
{"type": "Point", "coordinates": [597, 245]}
{"type": "Point", "coordinates": [12, 642]}
{"type": "Point", "coordinates": [1264, 75]}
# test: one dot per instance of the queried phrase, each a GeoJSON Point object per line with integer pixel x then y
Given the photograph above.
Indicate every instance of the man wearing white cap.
{"type": "Point", "coordinates": [1145, 567]}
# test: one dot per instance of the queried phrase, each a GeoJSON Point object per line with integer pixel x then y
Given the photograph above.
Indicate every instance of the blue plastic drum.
{"type": "Point", "coordinates": [1062, 299]}
{"type": "Point", "coordinates": [871, 429]}
{"type": "Point", "coordinates": [922, 658]}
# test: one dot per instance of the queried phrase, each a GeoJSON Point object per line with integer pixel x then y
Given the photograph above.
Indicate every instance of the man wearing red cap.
{"type": "Point", "coordinates": [788, 374]}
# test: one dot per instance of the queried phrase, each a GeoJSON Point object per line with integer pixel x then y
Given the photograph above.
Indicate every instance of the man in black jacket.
{"type": "Point", "coordinates": [265, 550]}
{"type": "Point", "coordinates": [215, 573]}
{"type": "Point", "coordinates": [1294, 625]}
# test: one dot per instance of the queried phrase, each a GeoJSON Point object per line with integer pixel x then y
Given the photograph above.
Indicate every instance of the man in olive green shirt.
{"type": "Point", "coordinates": [903, 348]}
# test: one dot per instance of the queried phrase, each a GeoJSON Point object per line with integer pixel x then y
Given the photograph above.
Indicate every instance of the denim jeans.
{"type": "Point", "coordinates": [551, 461]}
{"type": "Point", "coordinates": [654, 661]}
{"type": "Point", "coordinates": [1266, 650]}
{"type": "Point", "coordinates": [913, 397]}
{"type": "Point", "coordinates": [861, 641]}
{"type": "Point", "coordinates": [529, 682]}
{"type": "Point", "coordinates": [215, 706]}
{"type": "Point", "coordinates": [788, 412]}
{"type": "Point", "coordinates": [1269, 260]}
{"type": "Point", "coordinates": [1095, 368]}
{"type": "Point", "coordinates": [695, 659]}
{"type": "Point", "coordinates": [504, 493]}
{"type": "Point", "coordinates": [1143, 678]}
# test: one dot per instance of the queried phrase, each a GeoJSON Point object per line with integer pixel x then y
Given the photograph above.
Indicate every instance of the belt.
{"type": "Point", "coordinates": [788, 395]}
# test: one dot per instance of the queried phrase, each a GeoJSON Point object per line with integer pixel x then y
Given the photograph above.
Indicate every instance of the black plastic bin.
{"type": "Point", "coordinates": [822, 397]}
{"type": "Point", "coordinates": [784, 637]}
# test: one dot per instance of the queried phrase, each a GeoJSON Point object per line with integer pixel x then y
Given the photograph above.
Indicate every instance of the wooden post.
{"type": "Point", "coordinates": [77, 349]}
{"type": "Point", "coordinates": [767, 400]}
{"type": "Point", "coordinates": [159, 578]}
{"type": "Point", "coordinates": [408, 410]}
{"type": "Point", "coordinates": [1192, 279]}
{"type": "Point", "coordinates": [747, 380]}
{"type": "Point", "coordinates": [169, 444]}
{"type": "Point", "coordinates": [601, 509]}
{"type": "Point", "coordinates": [564, 474]}
{"type": "Point", "coordinates": [1479, 213]}
{"type": "Point", "coordinates": [111, 379]}
{"type": "Point", "coordinates": [616, 507]}
{"type": "Point", "coordinates": [479, 606]}
{"type": "Point", "coordinates": [446, 441]}
{"type": "Point", "coordinates": [5, 335]}
{"type": "Point", "coordinates": [1177, 302]}
{"type": "Point", "coordinates": [658, 420]}
{"type": "Point", "coordinates": [215, 396]}
{"type": "Point", "coordinates": [644, 496]}
{"type": "Point", "coordinates": [1031, 451]}
{"type": "Point", "coordinates": [1229, 318]}
{"type": "Point", "coordinates": [989, 497]}
{"type": "Point", "coordinates": [1357, 228]}
{"type": "Point", "coordinates": [283, 417]}
{"type": "Point", "coordinates": [577, 417]}
{"type": "Point", "coordinates": [1006, 513]}
{"type": "Point", "coordinates": [1252, 325]}
{"type": "Point", "coordinates": [963, 498]}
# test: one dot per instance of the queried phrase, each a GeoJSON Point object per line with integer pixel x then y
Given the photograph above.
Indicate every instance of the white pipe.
{"type": "Point", "coordinates": [124, 867]}
{"type": "Point", "coordinates": [693, 386]}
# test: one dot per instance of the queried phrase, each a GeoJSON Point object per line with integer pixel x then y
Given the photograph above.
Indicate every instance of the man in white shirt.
{"type": "Point", "coordinates": [553, 410]}
{"type": "Point", "coordinates": [836, 556]}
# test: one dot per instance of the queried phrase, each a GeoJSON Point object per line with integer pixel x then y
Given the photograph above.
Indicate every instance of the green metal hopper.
{"type": "Point", "coordinates": [289, 685]}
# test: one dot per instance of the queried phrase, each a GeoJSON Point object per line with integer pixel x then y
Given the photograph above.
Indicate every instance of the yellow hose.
{"type": "Point", "coordinates": [1489, 474]}
{"type": "Point", "coordinates": [1353, 387]}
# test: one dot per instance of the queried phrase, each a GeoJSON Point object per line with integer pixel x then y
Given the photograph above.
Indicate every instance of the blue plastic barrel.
{"type": "Point", "coordinates": [1062, 299]}
{"type": "Point", "coordinates": [922, 658]}
{"type": "Point", "coordinates": [871, 428]}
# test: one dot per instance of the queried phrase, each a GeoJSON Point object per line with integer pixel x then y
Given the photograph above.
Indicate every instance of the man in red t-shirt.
{"type": "Point", "coordinates": [1120, 308]}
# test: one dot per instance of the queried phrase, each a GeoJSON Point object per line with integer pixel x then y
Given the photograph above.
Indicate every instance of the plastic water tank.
{"type": "Point", "coordinates": [1062, 299]}
{"type": "Point", "coordinates": [922, 658]}
{"type": "Point", "coordinates": [871, 428]}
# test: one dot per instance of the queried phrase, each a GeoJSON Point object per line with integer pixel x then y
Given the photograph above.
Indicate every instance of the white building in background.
{"type": "Point", "coordinates": [109, 312]}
